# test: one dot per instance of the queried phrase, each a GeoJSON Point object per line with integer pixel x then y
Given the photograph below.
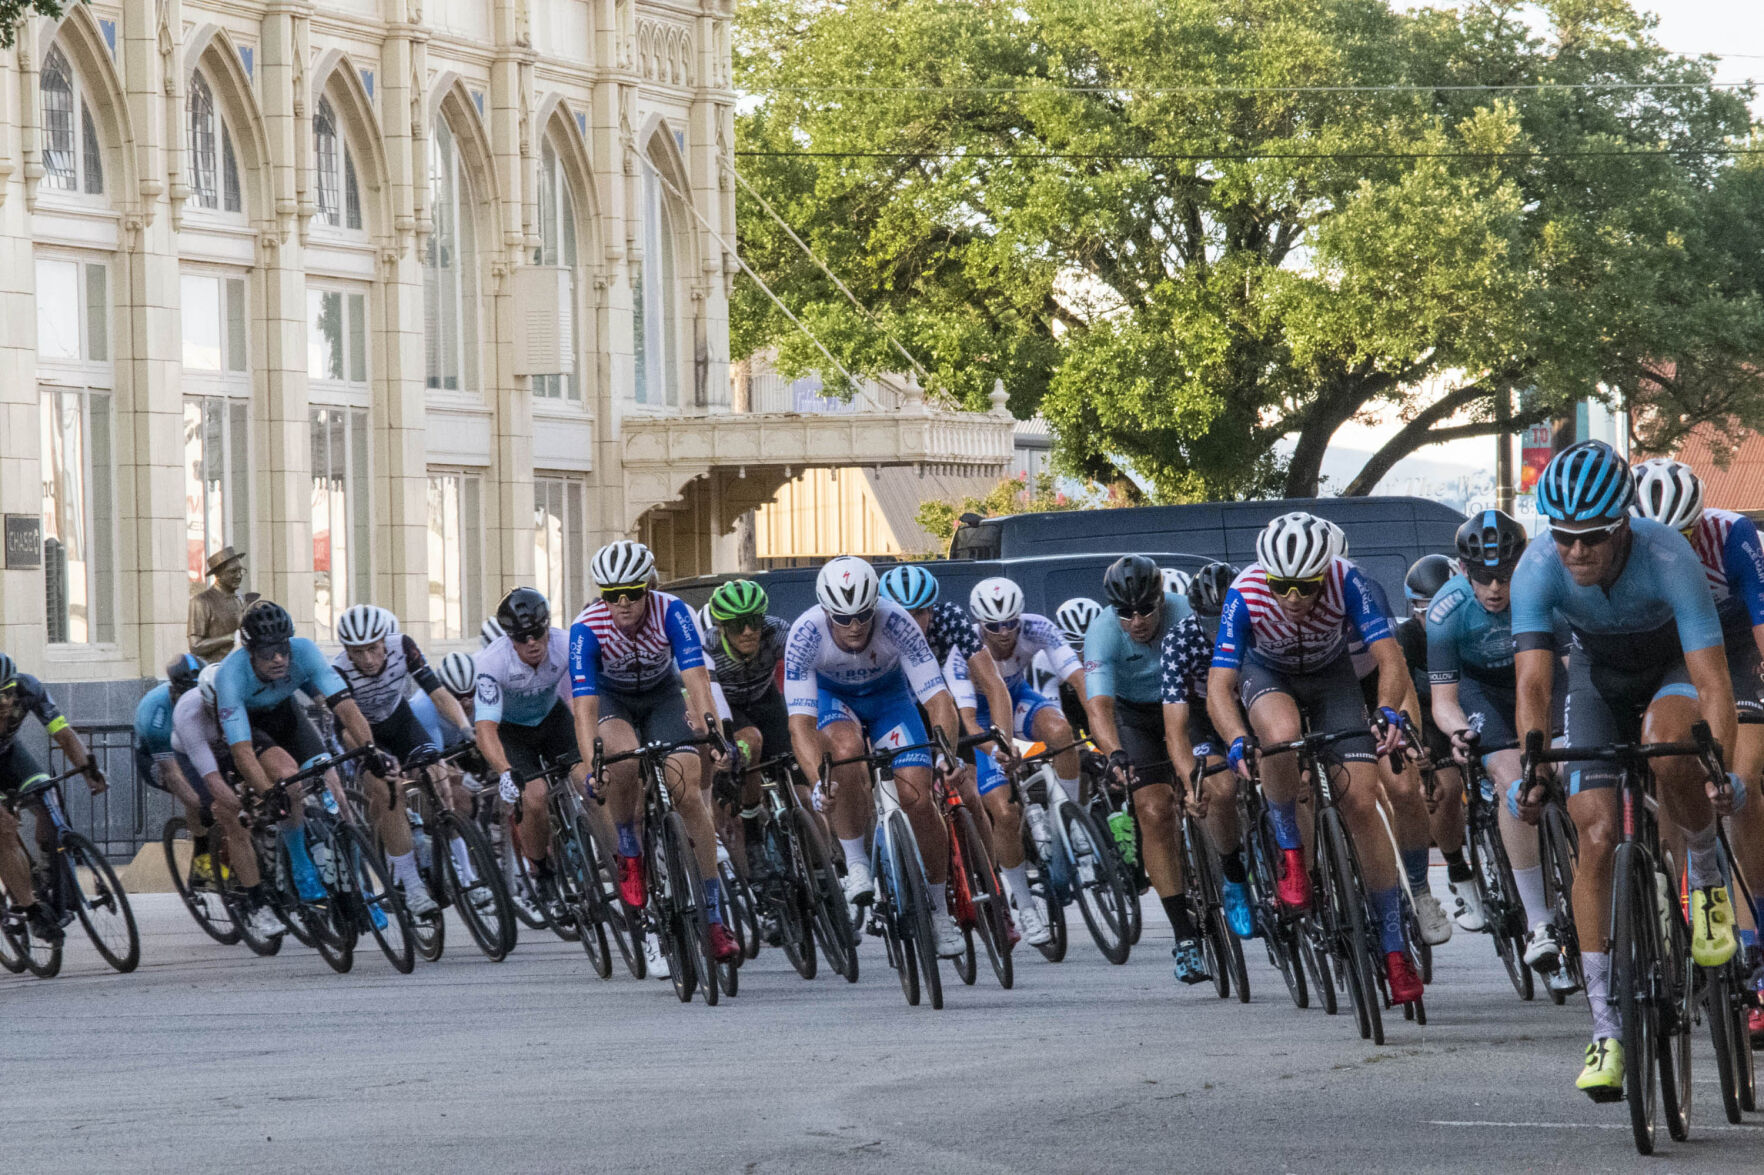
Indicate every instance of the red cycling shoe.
{"type": "Point", "coordinates": [1405, 985]}
{"type": "Point", "coordinates": [724, 948]}
{"type": "Point", "coordinates": [631, 887]}
{"type": "Point", "coordinates": [1294, 886]}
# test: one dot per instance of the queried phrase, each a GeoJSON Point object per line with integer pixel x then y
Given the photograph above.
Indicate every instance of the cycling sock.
{"type": "Point", "coordinates": [1530, 884]}
{"type": "Point", "coordinates": [1597, 967]}
{"type": "Point", "coordinates": [462, 862]}
{"type": "Point", "coordinates": [295, 839]}
{"type": "Point", "coordinates": [629, 845]}
{"type": "Point", "coordinates": [939, 891]}
{"type": "Point", "coordinates": [713, 899]}
{"type": "Point", "coordinates": [1181, 921]}
{"type": "Point", "coordinates": [1231, 865]}
{"type": "Point", "coordinates": [1387, 905]}
{"type": "Point", "coordinates": [1415, 865]}
{"type": "Point", "coordinates": [1285, 820]}
{"type": "Point", "coordinates": [1705, 858]}
{"type": "Point", "coordinates": [1070, 787]}
{"type": "Point", "coordinates": [406, 873]}
{"type": "Point", "coordinates": [853, 847]}
{"type": "Point", "coordinates": [1457, 868]}
{"type": "Point", "coordinates": [1018, 881]}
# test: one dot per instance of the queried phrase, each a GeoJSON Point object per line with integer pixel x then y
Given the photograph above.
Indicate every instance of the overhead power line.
{"type": "Point", "coordinates": [1405, 88]}
{"type": "Point", "coordinates": [1230, 156]}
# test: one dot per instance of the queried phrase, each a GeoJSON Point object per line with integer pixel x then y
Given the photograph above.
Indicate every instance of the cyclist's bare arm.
{"type": "Point", "coordinates": [805, 744]}
{"type": "Point", "coordinates": [448, 706]}
{"type": "Point", "coordinates": [490, 746]}
{"type": "Point", "coordinates": [1708, 673]}
{"type": "Point", "coordinates": [1101, 710]}
{"type": "Point", "coordinates": [1222, 705]}
{"type": "Point", "coordinates": [1536, 671]}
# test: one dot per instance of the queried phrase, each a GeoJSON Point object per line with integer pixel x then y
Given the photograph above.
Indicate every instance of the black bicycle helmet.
{"type": "Point", "coordinates": [1206, 592]}
{"type": "Point", "coordinates": [1132, 581]}
{"type": "Point", "coordinates": [266, 623]}
{"type": "Point", "coordinates": [1428, 574]}
{"type": "Point", "coordinates": [182, 671]}
{"type": "Point", "coordinates": [523, 610]}
{"type": "Point", "coordinates": [1492, 539]}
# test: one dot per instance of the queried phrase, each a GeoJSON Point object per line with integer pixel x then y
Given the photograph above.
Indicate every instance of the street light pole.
{"type": "Point", "coordinates": [1504, 450]}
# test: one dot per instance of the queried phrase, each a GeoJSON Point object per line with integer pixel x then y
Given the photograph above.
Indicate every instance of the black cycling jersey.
{"type": "Point", "coordinates": [745, 680]}
{"type": "Point", "coordinates": [29, 697]}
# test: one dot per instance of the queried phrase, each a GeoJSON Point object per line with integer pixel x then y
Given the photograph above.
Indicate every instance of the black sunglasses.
{"type": "Point", "coordinates": [742, 623]}
{"type": "Point", "coordinates": [1488, 575]}
{"type": "Point", "coordinates": [852, 620]}
{"type": "Point", "coordinates": [619, 595]}
{"type": "Point", "coordinates": [1596, 537]}
{"type": "Point", "coordinates": [1129, 611]}
{"type": "Point", "coordinates": [529, 636]}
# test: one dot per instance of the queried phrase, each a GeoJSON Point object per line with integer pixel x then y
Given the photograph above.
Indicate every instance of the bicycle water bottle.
{"type": "Point", "coordinates": [320, 852]}
{"type": "Point", "coordinates": [1121, 827]}
{"type": "Point", "coordinates": [1038, 829]}
{"type": "Point", "coordinates": [330, 802]}
{"type": "Point", "coordinates": [419, 838]}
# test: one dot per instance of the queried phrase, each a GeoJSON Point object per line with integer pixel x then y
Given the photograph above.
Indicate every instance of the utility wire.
{"type": "Point", "coordinates": [1228, 156]}
{"type": "Point", "coordinates": [1403, 88]}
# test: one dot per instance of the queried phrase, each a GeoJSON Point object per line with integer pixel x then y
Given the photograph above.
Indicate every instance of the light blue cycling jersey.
{"type": "Point", "coordinates": [439, 731]}
{"type": "Point", "coordinates": [153, 722]}
{"type": "Point", "coordinates": [1659, 608]}
{"type": "Point", "coordinates": [239, 691]}
{"type": "Point", "coordinates": [512, 691]}
{"type": "Point", "coordinates": [1117, 666]}
{"type": "Point", "coordinates": [1464, 638]}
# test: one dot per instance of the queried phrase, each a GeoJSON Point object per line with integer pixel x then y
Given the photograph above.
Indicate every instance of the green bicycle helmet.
{"type": "Point", "coordinates": [738, 597]}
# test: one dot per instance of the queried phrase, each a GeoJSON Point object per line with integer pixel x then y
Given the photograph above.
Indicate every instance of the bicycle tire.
{"type": "Point", "coordinates": [527, 907]}
{"type": "Point", "coordinates": [788, 894]}
{"type": "Point", "coordinates": [1719, 1002]}
{"type": "Point", "coordinates": [739, 910]}
{"type": "Point", "coordinates": [1501, 905]}
{"type": "Point", "coordinates": [41, 959]}
{"type": "Point", "coordinates": [960, 902]}
{"type": "Point", "coordinates": [1042, 889]}
{"type": "Point", "coordinates": [992, 921]}
{"type": "Point", "coordinates": [831, 916]}
{"type": "Point", "coordinates": [1634, 956]}
{"type": "Point", "coordinates": [429, 935]}
{"type": "Point", "coordinates": [1103, 900]}
{"type": "Point", "coordinates": [199, 901]}
{"type": "Point", "coordinates": [1560, 857]}
{"type": "Point", "coordinates": [1228, 946]}
{"type": "Point", "coordinates": [1679, 984]}
{"type": "Point", "coordinates": [1347, 912]}
{"type": "Point", "coordinates": [120, 944]}
{"type": "Point", "coordinates": [918, 896]}
{"type": "Point", "coordinates": [11, 958]}
{"type": "Point", "coordinates": [333, 935]}
{"type": "Point", "coordinates": [370, 888]}
{"type": "Point", "coordinates": [687, 927]}
{"type": "Point", "coordinates": [902, 946]}
{"type": "Point", "coordinates": [490, 928]}
{"type": "Point", "coordinates": [1281, 936]}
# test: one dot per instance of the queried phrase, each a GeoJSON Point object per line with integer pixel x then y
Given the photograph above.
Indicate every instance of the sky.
{"type": "Point", "coordinates": [1732, 28]}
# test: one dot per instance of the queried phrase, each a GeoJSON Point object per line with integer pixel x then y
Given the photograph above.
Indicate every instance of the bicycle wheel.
{"type": "Point", "coordinates": [830, 917]}
{"type": "Point", "coordinates": [526, 904]}
{"type": "Point", "coordinates": [1500, 902]}
{"type": "Point", "coordinates": [101, 902]}
{"type": "Point", "coordinates": [917, 893]}
{"type": "Point", "coordinates": [429, 935]}
{"type": "Point", "coordinates": [991, 919]}
{"type": "Point", "coordinates": [578, 885]}
{"type": "Point", "coordinates": [1277, 932]}
{"type": "Point", "coordinates": [1227, 947]}
{"type": "Point", "coordinates": [30, 953]}
{"type": "Point", "coordinates": [1732, 1042]}
{"type": "Point", "coordinates": [202, 899]}
{"type": "Point", "coordinates": [787, 894]}
{"type": "Point", "coordinates": [11, 954]}
{"type": "Point", "coordinates": [1102, 897]}
{"type": "Point", "coordinates": [1351, 940]}
{"type": "Point", "coordinates": [1046, 891]}
{"type": "Point", "coordinates": [681, 937]}
{"type": "Point", "coordinates": [624, 926]}
{"type": "Point", "coordinates": [1678, 987]}
{"type": "Point", "coordinates": [1635, 964]}
{"type": "Point", "coordinates": [740, 910]}
{"type": "Point", "coordinates": [490, 925]}
{"type": "Point", "coordinates": [960, 904]}
{"type": "Point", "coordinates": [1560, 855]}
{"type": "Point", "coordinates": [368, 894]}
{"type": "Point", "coordinates": [894, 915]}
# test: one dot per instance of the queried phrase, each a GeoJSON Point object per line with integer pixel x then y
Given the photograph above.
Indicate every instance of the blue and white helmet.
{"type": "Point", "coordinates": [911, 587]}
{"type": "Point", "coordinates": [1587, 482]}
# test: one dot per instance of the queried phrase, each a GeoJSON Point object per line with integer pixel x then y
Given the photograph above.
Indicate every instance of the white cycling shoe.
{"type": "Point", "coordinates": [419, 903]}
{"type": "Point", "coordinates": [1468, 914]}
{"type": "Point", "coordinates": [860, 885]}
{"type": "Point", "coordinates": [1542, 951]}
{"type": "Point", "coordinates": [264, 923]}
{"type": "Point", "coordinates": [1033, 926]}
{"type": "Point", "coordinates": [652, 955]}
{"type": "Point", "coordinates": [951, 943]}
{"type": "Point", "coordinates": [1435, 926]}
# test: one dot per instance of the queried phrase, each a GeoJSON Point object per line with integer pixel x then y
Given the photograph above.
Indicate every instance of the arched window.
{"type": "Point", "coordinates": [72, 160]}
{"type": "Point", "coordinates": [450, 286]}
{"type": "Point", "coordinates": [654, 301]}
{"type": "Point", "coordinates": [214, 174]}
{"type": "Point", "coordinates": [339, 199]}
{"type": "Point", "coordinates": [557, 246]}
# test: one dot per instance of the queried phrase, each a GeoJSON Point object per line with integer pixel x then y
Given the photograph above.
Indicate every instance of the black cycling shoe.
{"type": "Point", "coordinates": [43, 927]}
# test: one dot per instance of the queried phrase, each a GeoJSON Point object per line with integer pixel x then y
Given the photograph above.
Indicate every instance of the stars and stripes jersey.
{"type": "Point", "coordinates": [1733, 563]}
{"type": "Point", "coordinates": [379, 695]}
{"type": "Point", "coordinates": [951, 628]}
{"type": "Point", "coordinates": [960, 681]}
{"type": "Point", "coordinates": [1183, 661]}
{"type": "Point", "coordinates": [1036, 634]}
{"type": "Point", "coordinates": [1252, 624]}
{"type": "Point", "coordinates": [605, 657]}
{"type": "Point", "coordinates": [514, 692]}
{"type": "Point", "coordinates": [813, 660]}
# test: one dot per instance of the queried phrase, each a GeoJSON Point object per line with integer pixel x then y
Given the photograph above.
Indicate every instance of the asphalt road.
{"type": "Point", "coordinates": [209, 1059]}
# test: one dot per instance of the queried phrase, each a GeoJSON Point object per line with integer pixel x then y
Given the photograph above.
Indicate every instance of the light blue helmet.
{"type": "Point", "coordinates": [1587, 482]}
{"type": "Point", "coordinates": [911, 587]}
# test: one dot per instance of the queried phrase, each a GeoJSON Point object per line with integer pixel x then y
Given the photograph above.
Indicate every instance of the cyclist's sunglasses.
{"type": "Point", "coordinates": [529, 636]}
{"type": "Point", "coordinates": [622, 593]}
{"type": "Point", "coordinates": [1000, 625]}
{"type": "Point", "coordinates": [1304, 588]}
{"type": "Point", "coordinates": [742, 623]}
{"type": "Point", "coordinates": [1597, 536]}
{"type": "Point", "coordinates": [1488, 575]}
{"type": "Point", "coordinates": [266, 652]}
{"type": "Point", "coordinates": [852, 620]}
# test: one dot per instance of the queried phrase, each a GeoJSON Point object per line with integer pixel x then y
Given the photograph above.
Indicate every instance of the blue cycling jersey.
{"type": "Point", "coordinates": [1733, 562]}
{"type": "Point", "coordinates": [153, 721]}
{"type": "Point", "coordinates": [1463, 637]}
{"type": "Point", "coordinates": [1658, 609]}
{"type": "Point", "coordinates": [1253, 625]}
{"type": "Point", "coordinates": [239, 691]}
{"type": "Point", "coordinates": [1117, 666]}
{"type": "Point", "coordinates": [605, 657]}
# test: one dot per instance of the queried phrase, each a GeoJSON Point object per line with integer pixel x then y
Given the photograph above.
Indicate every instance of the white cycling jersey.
{"type": "Point", "coordinates": [512, 691]}
{"type": "Point", "coordinates": [960, 680]}
{"type": "Point", "coordinates": [1036, 634]}
{"type": "Point", "coordinates": [196, 734]}
{"type": "Point", "coordinates": [813, 659]}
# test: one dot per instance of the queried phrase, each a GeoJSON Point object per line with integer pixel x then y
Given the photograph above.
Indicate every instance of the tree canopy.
{"type": "Point", "coordinates": [1185, 231]}
{"type": "Point", "coordinates": [14, 12]}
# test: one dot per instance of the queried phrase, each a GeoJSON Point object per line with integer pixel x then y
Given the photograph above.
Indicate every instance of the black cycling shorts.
{"type": "Point", "coordinates": [287, 726]}
{"type": "Point", "coordinates": [402, 734]}
{"type": "Point", "coordinates": [1141, 727]}
{"type": "Point", "coordinates": [1329, 699]}
{"type": "Point", "coordinates": [530, 748]}
{"type": "Point", "coordinates": [1201, 735]}
{"type": "Point", "coordinates": [768, 715]}
{"type": "Point", "coordinates": [1606, 706]}
{"type": "Point", "coordinates": [657, 714]}
{"type": "Point", "coordinates": [1743, 669]}
{"type": "Point", "coordinates": [19, 769]}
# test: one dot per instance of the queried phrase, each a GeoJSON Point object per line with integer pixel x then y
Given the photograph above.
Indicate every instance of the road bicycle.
{"type": "Point", "coordinates": [1491, 870]}
{"type": "Point", "coordinates": [976, 899]}
{"type": "Point", "coordinates": [1201, 870]}
{"type": "Point", "coordinates": [483, 904]}
{"type": "Point", "coordinates": [799, 886]}
{"type": "Point", "coordinates": [1072, 858]}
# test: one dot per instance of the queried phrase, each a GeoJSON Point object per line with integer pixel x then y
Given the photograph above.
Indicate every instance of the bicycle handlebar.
{"type": "Point", "coordinates": [315, 770]}
{"type": "Point", "coordinates": [1702, 747]}
{"type": "Point", "coordinates": [713, 737]}
{"type": "Point", "coordinates": [24, 795]}
{"type": "Point", "coordinates": [1316, 740]}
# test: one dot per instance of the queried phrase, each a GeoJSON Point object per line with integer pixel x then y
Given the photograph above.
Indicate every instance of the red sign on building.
{"type": "Point", "coordinates": [1534, 454]}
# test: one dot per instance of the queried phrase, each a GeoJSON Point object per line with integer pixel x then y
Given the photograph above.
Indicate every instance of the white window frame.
{"type": "Point", "coordinates": [451, 353]}
{"type": "Point", "coordinates": [227, 191]}
{"type": "Point", "coordinates": [348, 490]}
{"type": "Point", "coordinates": [86, 149]}
{"type": "Point", "coordinates": [337, 176]}
{"type": "Point", "coordinates": [455, 517]}
{"type": "Point", "coordinates": [559, 232]}
{"type": "Point", "coordinates": [217, 406]}
{"type": "Point", "coordinates": [559, 533]}
{"type": "Point", "coordinates": [655, 300]}
{"type": "Point", "coordinates": [354, 384]}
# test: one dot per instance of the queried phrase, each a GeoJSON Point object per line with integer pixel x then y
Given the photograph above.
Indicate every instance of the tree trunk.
{"type": "Point", "coordinates": [1328, 413]}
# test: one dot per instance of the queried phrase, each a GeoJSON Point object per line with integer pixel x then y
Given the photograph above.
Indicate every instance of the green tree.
{"type": "Point", "coordinates": [1171, 230]}
{"type": "Point", "coordinates": [15, 12]}
{"type": "Point", "coordinates": [1013, 495]}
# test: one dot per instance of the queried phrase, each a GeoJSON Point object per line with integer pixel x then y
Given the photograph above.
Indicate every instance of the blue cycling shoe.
{"type": "Point", "coordinates": [306, 878]}
{"type": "Point", "coordinates": [1237, 909]}
{"type": "Point", "coordinates": [1191, 965]}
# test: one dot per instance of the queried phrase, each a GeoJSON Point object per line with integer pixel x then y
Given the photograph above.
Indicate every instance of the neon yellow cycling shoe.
{"type": "Point", "coordinates": [1713, 941]}
{"type": "Point", "coordinates": [1602, 1077]}
{"type": "Point", "coordinates": [202, 869]}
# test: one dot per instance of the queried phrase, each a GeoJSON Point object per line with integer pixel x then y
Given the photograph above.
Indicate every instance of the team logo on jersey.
{"type": "Point", "coordinates": [489, 691]}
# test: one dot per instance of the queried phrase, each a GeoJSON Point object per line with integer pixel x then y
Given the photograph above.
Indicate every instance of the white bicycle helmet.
{"type": "Point", "coordinates": [1176, 580]}
{"type": "Point", "coordinates": [459, 673]}
{"type": "Point", "coordinates": [1339, 536]}
{"type": "Point", "coordinates": [1669, 492]}
{"type": "Point", "coordinates": [364, 624]}
{"type": "Point", "coordinates": [621, 563]}
{"type": "Point", "coordinates": [1295, 546]}
{"type": "Point", "coordinates": [1073, 618]}
{"type": "Point", "coordinates": [490, 632]}
{"type": "Point", "coordinates": [846, 586]}
{"type": "Point", "coordinates": [996, 601]}
{"type": "Point", "coordinates": [705, 621]}
{"type": "Point", "coordinates": [205, 684]}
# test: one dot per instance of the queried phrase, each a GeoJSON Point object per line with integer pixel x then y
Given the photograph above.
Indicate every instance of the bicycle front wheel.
{"type": "Point", "coordinates": [1103, 897]}
{"type": "Point", "coordinates": [917, 894]}
{"type": "Point", "coordinates": [201, 898]}
{"type": "Point", "coordinates": [830, 915]}
{"type": "Point", "coordinates": [491, 924]}
{"type": "Point", "coordinates": [388, 920]}
{"type": "Point", "coordinates": [1501, 904]}
{"type": "Point", "coordinates": [990, 917]}
{"type": "Point", "coordinates": [1351, 939]}
{"type": "Point", "coordinates": [101, 903]}
{"type": "Point", "coordinates": [1560, 855]}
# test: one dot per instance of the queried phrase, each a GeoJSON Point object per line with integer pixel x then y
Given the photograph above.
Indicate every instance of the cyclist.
{"type": "Point", "coordinates": [1425, 579]}
{"type": "Point", "coordinates": [947, 627]}
{"type": "Point", "coordinates": [1470, 668]}
{"type": "Point", "coordinates": [380, 665]}
{"type": "Point", "coordinates": [1013, 639]}
{"type": "Point", "coordinates": [1282, 652]}
{"type": "Point", "coordinates": [1176, 581]}
{"type": "Point", "coordinates": [853, 667]}
{"type": "Point", "coordinates": [458, 674]}
{"type": "Point", "coordinates": [1124, 675]}
{"type": "Point", "coordinates": [746, 647]}
{"type": "Point", "coordinates": [203, 756]}
{"type": "Point", "coordinates": [157, 764]}
{"type": "Point", "coordinates": [254, 698]}
{"type": "Point", "coordinates": [1183, 660]}
{"type": "Point", "coordinates": [20, 696]}
{"type": "Point", "coordinates": [1073, 619]}
{"type": "Point", "coordinates": [632, 653]}
{"type": "Point", "coordinates": [1646, 661]}
{"type": "Point", "coordinates": [490, 632]}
